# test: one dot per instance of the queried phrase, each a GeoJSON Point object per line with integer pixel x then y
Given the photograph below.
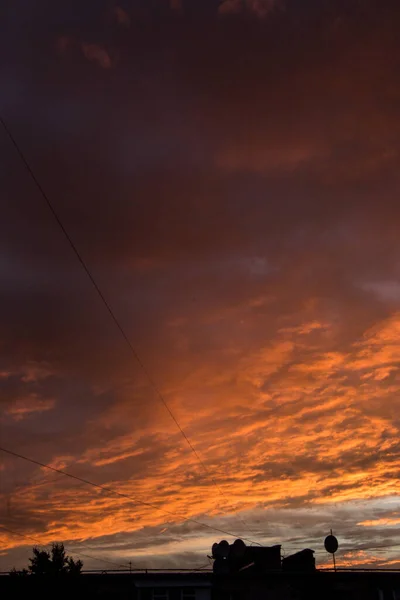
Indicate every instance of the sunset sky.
{"type": "Point", "coordinates": [229, 171]}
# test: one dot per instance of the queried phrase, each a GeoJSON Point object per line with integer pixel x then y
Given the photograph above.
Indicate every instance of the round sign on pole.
{"type": "Point", "coordinates": [331, 544]}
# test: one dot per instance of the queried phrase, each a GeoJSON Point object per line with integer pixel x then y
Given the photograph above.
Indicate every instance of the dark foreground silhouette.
{"type": "Point", "coordinates": [54, 563]}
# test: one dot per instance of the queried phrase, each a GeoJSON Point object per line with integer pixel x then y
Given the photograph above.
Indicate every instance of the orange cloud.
{"type": "Point", "coordinates": [325, 461]}
{"type": "Point", "coordinates": [24, 407]}
{"type": "Point", "coordinates": [379, 522]}
{"type": "Point", "coordinates": [236, 232]}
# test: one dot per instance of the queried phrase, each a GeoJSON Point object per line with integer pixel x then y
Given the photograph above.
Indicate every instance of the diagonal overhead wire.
{"type": "Point", "coordinates": [113, 492]}
{"type": "Point", "coordinates": [113, 315]}
{"type": "Point", "coordinates": [98, 290]}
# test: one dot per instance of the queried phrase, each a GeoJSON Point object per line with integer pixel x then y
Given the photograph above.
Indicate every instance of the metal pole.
{"type": "Point", "coordinates": [333, 556]}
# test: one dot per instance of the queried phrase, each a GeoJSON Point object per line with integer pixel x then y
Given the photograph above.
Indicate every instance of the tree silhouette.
{"type": "Point", "coordinates": [15, 572]}
{"type": "Point", "coordinates": [55, 562]}
{"type": "Point", "coordinates": [40, 562]}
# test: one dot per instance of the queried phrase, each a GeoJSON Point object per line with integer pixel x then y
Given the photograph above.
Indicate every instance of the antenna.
{"type": "Point", "coordinates": [331, 545]}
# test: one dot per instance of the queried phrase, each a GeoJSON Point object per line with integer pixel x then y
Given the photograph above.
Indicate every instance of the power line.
{"type": "Point", "coordinates": [109, 490]}
{"type": "Point", "coordinates": [111, 312]}
{"type": "Point", "coordinates": [28, 537]}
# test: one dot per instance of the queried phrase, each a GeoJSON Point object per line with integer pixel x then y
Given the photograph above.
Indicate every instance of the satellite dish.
{"type": "Point", "coordinates": [331, 544]}
{"type": "Point", "coordinates": [238, 548]}
{"type": "Point", "coordinates": [223, 549]}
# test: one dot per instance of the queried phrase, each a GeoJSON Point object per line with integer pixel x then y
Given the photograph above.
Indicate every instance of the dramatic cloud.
{"type": "Point", "coordinates": [236, 202]}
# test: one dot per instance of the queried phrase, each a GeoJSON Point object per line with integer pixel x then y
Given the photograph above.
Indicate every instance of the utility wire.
{"type": "Point", "coordinates": [109, 490]}
{"type": "Point", "coordinates": [111, 312]}
{"type": "Point", "coordinates": [28, 537]}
